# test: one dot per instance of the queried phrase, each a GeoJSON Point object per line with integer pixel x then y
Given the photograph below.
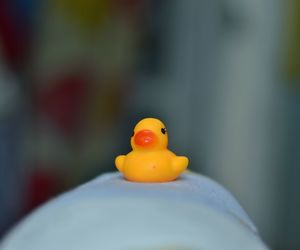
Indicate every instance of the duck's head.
{"type": "Point", "coordinates": [149, 134]}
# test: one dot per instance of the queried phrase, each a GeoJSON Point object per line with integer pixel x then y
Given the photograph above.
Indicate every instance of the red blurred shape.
{"type": "Point", "coordinates": [12, 38]}
{"type": "Point", "coordinates": [63, 101]}
{"type": "Point", "coordinates": [42, 186]}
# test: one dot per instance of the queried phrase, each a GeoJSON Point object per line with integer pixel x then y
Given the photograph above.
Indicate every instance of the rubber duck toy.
{"type": "Point", "coordinates": [150, 160]}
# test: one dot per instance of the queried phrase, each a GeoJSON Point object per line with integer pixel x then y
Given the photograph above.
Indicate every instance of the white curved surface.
{"type": "Point", "coordinates": [111, 213]}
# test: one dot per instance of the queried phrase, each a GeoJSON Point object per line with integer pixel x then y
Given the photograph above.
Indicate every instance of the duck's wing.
{"type": "Point", "coordinates": [119, 161]}
{"type": "Point", "coordinates": [180, 163]}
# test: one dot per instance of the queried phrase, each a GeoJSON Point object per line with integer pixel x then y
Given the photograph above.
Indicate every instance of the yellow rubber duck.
{"type": "Point", "coordinates": [150, 160]}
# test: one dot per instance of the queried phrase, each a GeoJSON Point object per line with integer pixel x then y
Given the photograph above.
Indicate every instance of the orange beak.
{"type": "Point", "coordinates": [144, 138]}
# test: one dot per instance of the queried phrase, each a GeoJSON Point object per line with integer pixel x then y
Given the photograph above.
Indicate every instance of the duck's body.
{"type": "Point", "coordinates": [150, 160]}
{"type": "Point", "coordinates": [151, 166]}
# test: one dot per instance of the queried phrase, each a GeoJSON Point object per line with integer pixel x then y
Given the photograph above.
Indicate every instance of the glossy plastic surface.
{"type": "Point", "coordinates": [150, 160]}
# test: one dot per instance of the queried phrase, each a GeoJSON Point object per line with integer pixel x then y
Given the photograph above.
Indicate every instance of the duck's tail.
{"type": "Point", "coordinates": [180, 163]}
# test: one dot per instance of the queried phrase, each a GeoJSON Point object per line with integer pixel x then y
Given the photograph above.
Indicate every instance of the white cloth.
{"type": "Point", "coordinates": [109, 212]}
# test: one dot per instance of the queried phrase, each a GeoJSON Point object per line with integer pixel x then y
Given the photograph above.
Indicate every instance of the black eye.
{"type": "Point", "coordinates": [132, 134]}
{"type": "Point", "coordinates": [163, 130]}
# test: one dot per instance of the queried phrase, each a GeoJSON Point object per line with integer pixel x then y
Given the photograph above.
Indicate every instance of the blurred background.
{"type": "Point", "coordinates": [76, 75]}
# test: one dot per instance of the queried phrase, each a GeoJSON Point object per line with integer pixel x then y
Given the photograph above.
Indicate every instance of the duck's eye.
{"type": "Point", "coordinates": [132, 134]}
{"type": "Point", "coordinates": [163, 130]}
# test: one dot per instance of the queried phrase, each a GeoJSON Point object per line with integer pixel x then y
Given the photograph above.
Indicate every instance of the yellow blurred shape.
{"type": "Point", "coordinates": [87, 13]}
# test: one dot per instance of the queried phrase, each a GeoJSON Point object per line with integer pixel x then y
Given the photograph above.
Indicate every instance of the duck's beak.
{"type": "Point", "coordinates": [144, 138]}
